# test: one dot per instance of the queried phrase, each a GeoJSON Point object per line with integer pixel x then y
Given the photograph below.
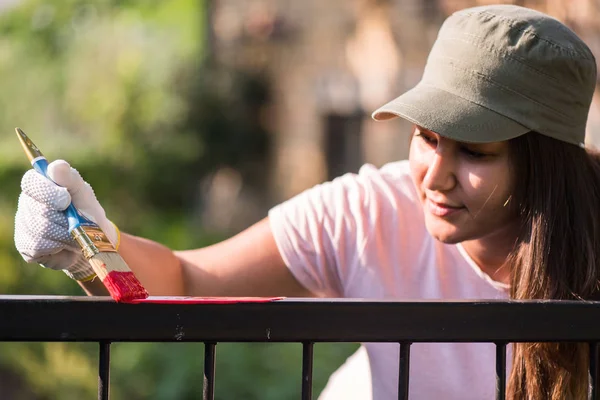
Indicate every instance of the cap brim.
{"type": "Point", "coordinates": [451, 116]}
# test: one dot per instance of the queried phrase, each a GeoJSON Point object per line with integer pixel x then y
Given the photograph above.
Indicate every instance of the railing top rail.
{"type": "Point", "coordinates": [63, 318]}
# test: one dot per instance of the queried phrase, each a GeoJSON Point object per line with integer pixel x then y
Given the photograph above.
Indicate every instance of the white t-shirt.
{"type": "Point", "coordinates": [363, 236]}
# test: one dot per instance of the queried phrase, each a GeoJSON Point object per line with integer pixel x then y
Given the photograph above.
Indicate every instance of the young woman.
{"type": "Point", "coordinates": [499, 199]}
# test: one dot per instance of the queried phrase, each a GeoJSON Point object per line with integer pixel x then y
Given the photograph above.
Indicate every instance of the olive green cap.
{"type": "Point", "coordinates": [497, 72]}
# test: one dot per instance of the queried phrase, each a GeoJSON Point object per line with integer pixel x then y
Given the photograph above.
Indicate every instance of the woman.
{"type": "Point", "coordinates": [498, 199]}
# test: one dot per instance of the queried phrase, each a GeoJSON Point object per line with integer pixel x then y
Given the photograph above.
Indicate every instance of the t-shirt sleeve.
{"type": "Point", "coordinates": [320, 232]}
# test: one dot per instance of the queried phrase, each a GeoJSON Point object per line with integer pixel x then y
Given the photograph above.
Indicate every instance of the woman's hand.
{"type": "Point", "coordinates": [41, 227]}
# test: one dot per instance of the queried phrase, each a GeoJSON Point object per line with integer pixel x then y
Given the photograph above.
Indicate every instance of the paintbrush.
{"type": "Point", "coordinates": [109, 266]}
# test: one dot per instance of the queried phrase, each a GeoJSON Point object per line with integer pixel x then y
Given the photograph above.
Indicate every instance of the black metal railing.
{"type": "Point", "coordinates": [307, 321]}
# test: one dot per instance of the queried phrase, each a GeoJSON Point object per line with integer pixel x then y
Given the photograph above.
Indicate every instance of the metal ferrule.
{"type": "Point", "coordinates": [88, 248]}
{"type": "Point", "coordinates": [98, 238]}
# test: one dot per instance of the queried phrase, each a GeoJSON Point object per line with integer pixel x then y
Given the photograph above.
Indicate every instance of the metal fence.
{"type": "Point", "coordinates": [307, 321]}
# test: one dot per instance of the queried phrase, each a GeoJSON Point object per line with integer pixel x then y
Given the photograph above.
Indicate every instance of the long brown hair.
{"type": "Point", "coordinates": [557, 256]}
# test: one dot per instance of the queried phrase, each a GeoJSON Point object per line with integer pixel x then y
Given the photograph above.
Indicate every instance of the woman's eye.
{"type": "Point", "coordinates": [472, 153]}
{"type": "Point", "coordinates": [426, 138]}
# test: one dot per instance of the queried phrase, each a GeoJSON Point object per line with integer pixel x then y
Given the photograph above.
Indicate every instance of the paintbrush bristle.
{"type": "Point", "coordinates": [116, 276]}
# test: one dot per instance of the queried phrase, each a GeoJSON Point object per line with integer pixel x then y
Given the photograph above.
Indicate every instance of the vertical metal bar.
{"type": "Point", "coordinates": [208, 388]}
{"type": "Point", "coordinates": [307, 370]}
{"type": "Point", "coordinates": [404, 369]}
{"type": "Point", "coordinates": [500, 371]}
{"type": "Point", "coordinates": [594, 369]}
{"type": "Point", "coordinates": [103, 370]}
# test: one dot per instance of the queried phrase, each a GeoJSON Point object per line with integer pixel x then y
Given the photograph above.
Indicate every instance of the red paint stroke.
{"type": "Point", "coordinates": [204, 300]}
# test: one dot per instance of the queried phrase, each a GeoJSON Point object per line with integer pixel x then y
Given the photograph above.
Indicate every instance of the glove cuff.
{"type": "Point", "coordinates": [80, 271]}
{"type": "Point", "coordinates": [118, 235]}
{"type": "Point", "coordinates": [110, 230]}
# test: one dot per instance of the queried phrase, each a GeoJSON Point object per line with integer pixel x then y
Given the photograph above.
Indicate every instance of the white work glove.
{"type": "Point", "coordinates": [41, 227]}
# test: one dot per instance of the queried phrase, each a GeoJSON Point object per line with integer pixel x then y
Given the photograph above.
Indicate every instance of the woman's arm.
{"type": "Point", "coordinates": [248, 264]}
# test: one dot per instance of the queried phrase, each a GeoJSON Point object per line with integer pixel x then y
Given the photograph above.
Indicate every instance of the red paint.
{"type": "Point", "coordinates": [124, 286]}
{"type": "Point", "coordinates": [204, 300]}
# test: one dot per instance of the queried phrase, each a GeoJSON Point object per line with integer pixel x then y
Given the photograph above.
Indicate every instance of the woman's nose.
{"type": "Point", "coordinates": [441, 174]}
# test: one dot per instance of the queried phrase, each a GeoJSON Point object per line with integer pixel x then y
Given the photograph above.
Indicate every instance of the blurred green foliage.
{"type": "Point", "coordinates": [122, 91]}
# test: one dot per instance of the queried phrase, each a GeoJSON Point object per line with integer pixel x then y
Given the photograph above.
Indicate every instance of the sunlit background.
{"type": "Point", "coordinates": [191, 118]}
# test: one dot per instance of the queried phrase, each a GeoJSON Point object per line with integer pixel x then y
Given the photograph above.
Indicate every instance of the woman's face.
{"type": "Point", "coordinates": [464, 188]}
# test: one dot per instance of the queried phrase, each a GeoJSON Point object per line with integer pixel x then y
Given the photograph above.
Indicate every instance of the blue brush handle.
{"type": "Point", "coordinates": [40, 164]}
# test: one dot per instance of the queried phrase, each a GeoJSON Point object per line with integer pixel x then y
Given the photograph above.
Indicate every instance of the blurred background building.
{"type": "Point", "coordinates": [330, 64]}
{"type": "Point", "coordinates": [191, 118]}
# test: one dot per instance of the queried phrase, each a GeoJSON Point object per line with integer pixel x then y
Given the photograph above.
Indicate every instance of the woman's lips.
{"type": "Point", "coordinates": [441, 209]}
